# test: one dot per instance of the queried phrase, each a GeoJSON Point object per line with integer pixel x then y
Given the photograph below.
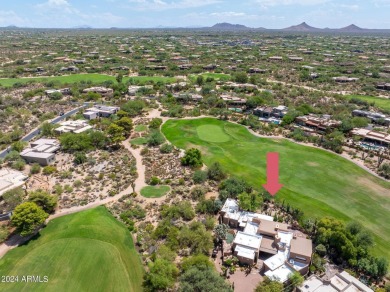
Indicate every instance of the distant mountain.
{"type": "Point", "coordinates": [351, 28]}
{"type": "Point", "coordinates": [229, 26]}
{"type": "Point", "coordinates": [83, 27]}
{"type": "Point", "coordinates": [301, 27]}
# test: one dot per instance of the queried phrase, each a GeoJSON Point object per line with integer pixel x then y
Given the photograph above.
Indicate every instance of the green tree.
{"type": "Point", "coordinates": [199, 261]}
{"type": "Point", "coordinates": [27, 217]}
{"type": "Point", "coordinates": [199, 80]}
{"type": "Point", "coordinates": [241, 77]}
{"type": "Point", "coordinates": [155, 123]}
{"type": "Point", "coordinates": [13, 197]}
{"type": "Point", "coordinates": [35, 168]}
{"type": "Point", "coordinates": [166, 148]}
{"type": "Point", "coordinates": [18, 146]}
{"type": "Point", "coordinates": [384, 170]}
{"type": "Point", "coordinates": [192, 158]}
{"type": "Point", "coordinates": [48, 170]}
{"type": "Point", "coordinates": [56, 96]}
{"type": "Point", "coordinates": [232, 187]}
{"type": "Point", "coordinates": [47, 129]}
{"type": "Point", "coordinates": [162, 275]}
{"type": "Point", "coordinates": [116, 134]}
{"type": "Point", "coordinates": [269, 286]}
{"type": "Point", "coordinates": [296, 279]}
{"type": "Point", "coordinates": [155, 138]}
{"type": "Point", "coordinates": [215, 172]}
{"type": "Point", "coordinates": [44, 200]}
{"type": "Point", "coordinates": [220, 231]}
{"type": "Point", "coordinates": [199, 176]}
{"type": "Point", "coordinates": [203, 279]}
{"type": "Point", "coordinates": [250, 202]}
{"type": "Point", "coordinates": [97, 139]}
{"type": "Point", "coordinates": [80, 158]}
{"type": "Point", "coordinates": [134, 107]}
{"type": "Point", "coordinates": [165, 253]}
{"type": "Point", "coordinates": [126, 123]}
{"type": "Point", "coordinates": [119, 78]}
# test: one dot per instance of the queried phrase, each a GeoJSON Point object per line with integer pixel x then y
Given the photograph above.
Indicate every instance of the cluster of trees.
{"type": "Point", "coordinates": [196, 273]}
{"type": "Point", "coordinates": [192, 158]}
{"type": "Point", "coordinates": [31, 214]}
{"type": "Point", "coordinates": [350, 245]}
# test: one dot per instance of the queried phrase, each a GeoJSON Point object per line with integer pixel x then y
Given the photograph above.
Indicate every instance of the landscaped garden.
{"type": "Point", "coordinates": [318, 182]}
{"type": "Point", "coordinates": [155, 191]}
{"type": "Point", "coordinates": [86, 251]}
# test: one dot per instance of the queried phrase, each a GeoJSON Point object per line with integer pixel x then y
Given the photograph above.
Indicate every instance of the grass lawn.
{"type": "Point", "coordinates": [141, 128]}
{"type": "Point", "coordinates": [318, 182]}
{"type": "Point", "coordinates": [216, 76]}
{"type": "Point", "coordinates": [95, 78]}
{"type": "Point", "coordinates": [85, 251]}
{"type": "Point", "coordinates": [380, 102]}
{"type": "Point", "coordinates": [154, 191]}
{"type": "Point", "coordinates": [139, 141]}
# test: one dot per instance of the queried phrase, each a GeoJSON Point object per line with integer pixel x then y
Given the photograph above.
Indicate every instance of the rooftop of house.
{"type": "Point", "coordinates": [379, 136]}
{"type": "Point", "coordinates": [301, 246]}
{"type": "Point", "coordinates": [281, 274]}
{"type": "Point", "coordinates": [248, 240]}
{"type": "Point", "coordinates": [10, 179]}
{"type": "Point", "coordinates": [339, 282]}
{"type": "Point", "coordinates": [98, 90]}
{"type": "Point", "coordinates": [77, 126]}
{"type": "Point", "coordinates": [272, 227]}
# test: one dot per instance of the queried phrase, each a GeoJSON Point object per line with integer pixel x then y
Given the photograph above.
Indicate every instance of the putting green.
{"type": "Point", "coordinates": [318, 182]}
{"type": "Point", "coordinates": [212, 133]}
{"type": "Point", "coordinates": [155, 191]}
{"type": "Point", "coordinates": [86, 251]}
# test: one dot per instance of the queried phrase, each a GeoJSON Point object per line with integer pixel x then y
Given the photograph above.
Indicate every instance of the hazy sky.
{"type": "Point", "coordinates": [184, 13]}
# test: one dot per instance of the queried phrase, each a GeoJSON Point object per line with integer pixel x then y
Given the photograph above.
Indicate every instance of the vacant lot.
{"type": "Point", "coordinates": [86, 251]}
{"type": "Point", "coordinates": [155, 191]}
{"type": "Point", "coordinates": [318, 182]}
{"type": "Point", "coordinates": [95, 78]}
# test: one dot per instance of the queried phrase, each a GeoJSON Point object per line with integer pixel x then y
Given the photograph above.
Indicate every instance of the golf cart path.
{"type": "Point", "coordinates": [140, 183]}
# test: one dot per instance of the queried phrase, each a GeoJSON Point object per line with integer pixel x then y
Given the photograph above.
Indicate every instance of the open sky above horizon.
{"type": "Point", "coordinates": [194, 13]}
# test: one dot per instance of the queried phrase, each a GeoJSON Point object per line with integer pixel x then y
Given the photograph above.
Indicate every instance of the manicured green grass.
{"type": "Point", "coordinates": [216, 76]}
{"type": "Point", "coordinates": [139, 141]}
{"type": "Point", "coordinates": [212, 133]}
{"type": "Point", "coordinates": [141, 128]}
{"type": "Point", "coordinates": [380, 102]}
{"type": "Point", "coordinates": [95, 78]}
{"type": "Point", "coordinates": [318, 182]}
{"type": "Point", "coordinates": [155, 191]}
{"type": "Point", "coordinates": [86, 251]}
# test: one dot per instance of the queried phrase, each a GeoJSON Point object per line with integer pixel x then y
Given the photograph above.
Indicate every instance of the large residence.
{"type": "Point", "coordinates": [268, 112]}
{"type": "Point", "coordinates": [100, 111]}
{"type": "Point", "coordinates": [317, 123]}
{"type": "Point", "coordinates": [374, 137]}
{"type": "Point", "coordinates": [41, 151]}
{"type": "Point", "coordinates": [373, 116]}
{"type": "Point", "coordinates": [100, 90]}
{"type": "Point", "coordinates": [258, 235]}
{"type": "Point", "coordinates": [10, 179]}
{"type": "Point", "coordinates": [233, 100]}
{"type": "Point", "coordinates": [77, 127]}
{"type": "Point", "coordinates": [337, 283]}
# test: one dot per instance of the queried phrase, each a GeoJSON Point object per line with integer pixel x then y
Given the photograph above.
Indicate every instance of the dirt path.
{"type": "Point", "coordinates": [16, 240]}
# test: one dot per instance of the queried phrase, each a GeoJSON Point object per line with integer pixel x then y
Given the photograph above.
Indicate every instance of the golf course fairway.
{"type": "Point", "coordinates": [85, 251]}
{"type": "Point", "coordinates": [318, 182]}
